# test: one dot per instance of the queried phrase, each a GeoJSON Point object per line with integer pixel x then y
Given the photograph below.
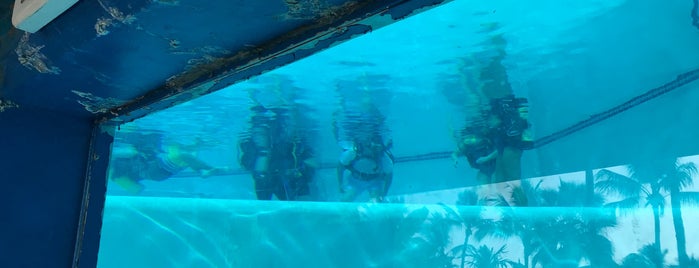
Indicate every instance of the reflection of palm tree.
{"type": "Point", "coordinates": [423, 237]}
{"type": "Point", "coordinates": [485, 257]}
{"type": "Point", "coordinates": [691, 263]}
{"type": "Point", "coordinates": [569, 240]}
{"type": "Point", "coordinates": [468, 218]}
{"type": "Point", "coordinates": [589, 187]}
{"type": "Point", "coordinates": [671, 178]}
{"type": "Point", "coordinates": [576, 232]}
{"type": "Point", "coordinates": [632, 189]}
{"type": "Point", "coordinates": [636, 260]}
{"type": "Point", "coordinates": [649, 256]}
{"type": "Point", "coordinates": [676, 178]}
{"type": "Point", "coordinates": [561, 236]}
{"type": "Point", "coordinates": [513, 222]}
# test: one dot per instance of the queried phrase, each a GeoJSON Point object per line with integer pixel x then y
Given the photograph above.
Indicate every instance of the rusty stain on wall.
{"type": "Point", "coordinates": [6, 104]}
{"type": "Point", "coordinates": [95, 104]}
{"type": "Point", "coordinates": [30, 56]}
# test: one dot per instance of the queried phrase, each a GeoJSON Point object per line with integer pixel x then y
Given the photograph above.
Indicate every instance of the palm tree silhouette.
{"type": "Point", "coordinates": [574, 231]}
{"type": "Point", "coordinates": [660, 176]}
{"type": "Point", "coordinates": [636, 260]}
{"type": "Point", "coordinates": [474, 225]}
{"type": "Point", "coordinates": [563, 231]}
{"type": "Point", "coordinates": [421, 238]}
{"type": "Point", "coordinates": [485, 257]}
{"type": "Point", "coordinates": [649, 256]}
{"type": "Point", "coordinates": [676, 177]}
{"type": "Point", "coordinates": [468, 217]}
{"type": "Point", "coordinates": [633, 189]}
{"type": "Point", "coordinates": [516, 221]}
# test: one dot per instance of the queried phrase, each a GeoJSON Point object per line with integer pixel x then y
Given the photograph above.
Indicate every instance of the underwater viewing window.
{"type": "Point", "coordinates": [474, 134]}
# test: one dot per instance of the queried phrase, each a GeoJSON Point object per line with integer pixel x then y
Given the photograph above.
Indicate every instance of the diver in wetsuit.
{"type": "Point", "coordinates": [477, 146]}
{"type": "Point", "coordinates": [494, 144]}
{"type": "Point", "coordinates": [365, 165]}
{"type": "Point", "coordinates": [366, 161]}
{"type": "Point", "coordinates": [144, 156]}
{"type": "Point", "coordinates": [279, 160]}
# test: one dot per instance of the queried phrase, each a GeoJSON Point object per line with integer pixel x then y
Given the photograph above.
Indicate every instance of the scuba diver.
{"type": "Point", "coordinates": [493, 141]}
{"type": "Point", "coordinates": [280, 160]}
{"type": "Point", "coordinates": [366, 162]}
{"type": "Point", "coordinates": [365, 165]}
{"type": "Point", "coordinates": [503, 136]}
{"type": "Point", "coordinates": [478, 148]}
{"type": "Point", "coordinates": [144, 156]}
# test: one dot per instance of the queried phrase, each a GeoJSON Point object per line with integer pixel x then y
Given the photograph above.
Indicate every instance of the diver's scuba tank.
{"type": "Point", "coordinates": [514, 114]}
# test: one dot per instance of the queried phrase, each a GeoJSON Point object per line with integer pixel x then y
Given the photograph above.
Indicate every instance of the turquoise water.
{"type": "Point", "coordinates": [414, 83]}
{"type": "Point", "coordinates": [184, 232]}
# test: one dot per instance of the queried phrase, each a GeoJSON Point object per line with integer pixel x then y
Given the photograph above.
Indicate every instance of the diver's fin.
{"type": "Point", "coordinates": [130, 186]}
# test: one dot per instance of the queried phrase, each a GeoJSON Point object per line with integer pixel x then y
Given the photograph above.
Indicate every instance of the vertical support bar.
{"type": "Point", "coordinates": [94, 195]}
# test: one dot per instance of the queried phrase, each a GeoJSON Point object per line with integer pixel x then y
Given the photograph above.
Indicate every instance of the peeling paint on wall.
{"type": "Point", "coordinates": [30, 56]}
{"type": "Point", "coordinates": [211, 54]}
{"type": "Point", "coordinates": [211, 50]}
{"type": "Point", "coordinates": [102, 25]}
{"type": "Point", "coordinates": [211, 68]}
{"type": "Point", "coordinates": [167, 2]}
{"type": "Point", "coordinates": [115, 15]}
{"type": "Point", "coordinates": [174, 43]}
{"type": "Point", "coordinates": [254, 54]}
{"type": "Point", "coordinates": [378, 21]}
{"type": "Point", "coordinates": [202, 89]}
{"type": "Point", "coordinates": [6, 104]}
{"type": "Point", "coordinates": [304, 9]}
{"type": "Point", "coordinates": [95, 104]}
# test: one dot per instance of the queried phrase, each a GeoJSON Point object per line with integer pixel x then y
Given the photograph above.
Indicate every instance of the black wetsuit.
{"type": "Point", "coordinates": [287, 175]}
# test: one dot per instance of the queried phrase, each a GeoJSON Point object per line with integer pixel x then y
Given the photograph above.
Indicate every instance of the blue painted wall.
{"type": "Point", "coordinates": [42, 169]}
